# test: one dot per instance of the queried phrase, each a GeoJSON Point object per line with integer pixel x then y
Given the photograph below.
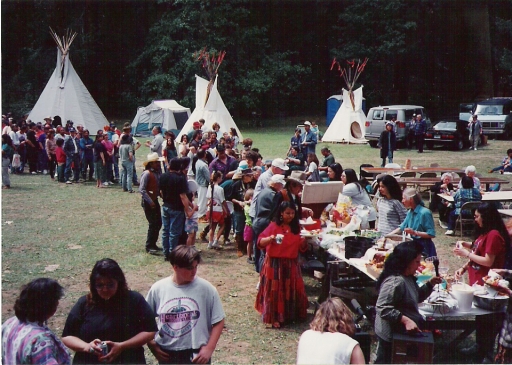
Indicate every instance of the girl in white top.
{"type": "Point", "coordinates": [353, 189]}
{"type": "Point", "coordinates": [328, 341]}
{"type": "Point", "coordinates": [217, 209]}
{"type": "Point", "coordinates": [312, 168]}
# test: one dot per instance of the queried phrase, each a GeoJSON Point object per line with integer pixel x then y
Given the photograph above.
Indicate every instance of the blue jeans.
{"type": "Point", "coordinates": [75, 159]}
{"type": "Point", "coordinates": [238, 222]}
{"type": "Point", "coordinates": [126, 175]}
{"type": "Point", "coordinates": [173, 222]}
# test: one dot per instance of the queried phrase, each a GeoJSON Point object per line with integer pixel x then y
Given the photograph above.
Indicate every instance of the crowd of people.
{"type": "Point", "coordinates": [226, 184]}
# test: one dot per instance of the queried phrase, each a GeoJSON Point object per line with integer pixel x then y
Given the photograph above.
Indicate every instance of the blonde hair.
{"type": "Point", "coordinates": [333, 316]}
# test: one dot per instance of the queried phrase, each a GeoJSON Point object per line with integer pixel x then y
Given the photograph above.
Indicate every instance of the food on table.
{"type": "Point", "coordinates": [495, 281]}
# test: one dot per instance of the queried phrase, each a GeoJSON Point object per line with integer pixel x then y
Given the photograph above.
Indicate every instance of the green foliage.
{"type": "Point", "coordinates": [166, 68]}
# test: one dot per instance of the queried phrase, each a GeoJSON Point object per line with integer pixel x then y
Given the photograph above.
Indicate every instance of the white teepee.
{"type": "Point", "coordinates": [65, 94]}
{"type": "Point", "coordinates": [213, 111]}
{"type": "Point", "coordinates": [347, 125]}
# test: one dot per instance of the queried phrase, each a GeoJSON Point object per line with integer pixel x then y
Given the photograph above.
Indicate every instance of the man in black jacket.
{"type": "Point", "coordinates": [72, 151]}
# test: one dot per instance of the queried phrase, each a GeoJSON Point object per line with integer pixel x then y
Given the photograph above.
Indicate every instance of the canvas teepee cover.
{"type": "Point", "coordinates": [65, 94]}
{"type": "Point", "coordinates": [213, 111]}
{"type": "Point", "coordinates": [348, 124]}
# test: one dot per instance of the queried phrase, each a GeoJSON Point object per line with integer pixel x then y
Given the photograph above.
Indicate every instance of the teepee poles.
{"type": "Point", "coordinates": [63, 44]}
{"type": "Point", "coordinates": [350, 74]}
{"type": "Point", "coordinates": [210, 63]}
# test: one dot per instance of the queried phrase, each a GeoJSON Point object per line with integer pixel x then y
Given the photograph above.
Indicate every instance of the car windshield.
{"type": "Point", "coordinates": [489, 109]}
{"type": "Point", "coordinates": [446, 126]}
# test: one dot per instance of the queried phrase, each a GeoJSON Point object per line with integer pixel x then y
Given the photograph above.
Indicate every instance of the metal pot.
{"type": "Point", "coordinates": [497, 303]}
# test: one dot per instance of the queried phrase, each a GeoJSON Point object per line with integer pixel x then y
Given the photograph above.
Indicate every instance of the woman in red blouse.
{"type": "Point", "coordinates": [281, 295]}
{"type": "Point", "coordinates": [489, 251]}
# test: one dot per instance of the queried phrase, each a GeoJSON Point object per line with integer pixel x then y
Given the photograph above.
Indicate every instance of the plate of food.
{"type": "Point", "coordinates": [495, 284]}
{"type": "Point", "coordinates": [310, 234]}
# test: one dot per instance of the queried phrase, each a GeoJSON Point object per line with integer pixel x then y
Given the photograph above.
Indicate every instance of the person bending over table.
{"type": "Point", "coordinates": [111, 313]}
{"type": "Point", "coordinates": [444, 186]}
{"type": "Point", "coordinates": [399, 295]}
{"type": "Point", "coordinates": [329, 339]}
{"type": "Point", "coordinates": [389, 204]}
{"type": "Point", "coordinates": [353, 188]}
{"type": "Point", "coordinates": [281, 294]}
{"type": "Point", "coordinates": [488, 251]}
{"type": "Point", "coordinates": [419, 222]}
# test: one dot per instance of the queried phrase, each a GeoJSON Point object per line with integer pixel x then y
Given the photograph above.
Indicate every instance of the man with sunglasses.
{"type": "Point", "coordinates": [191, 317]}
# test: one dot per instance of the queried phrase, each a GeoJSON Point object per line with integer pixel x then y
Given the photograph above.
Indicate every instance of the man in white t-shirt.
{"type": "Point", "coordinates": [189, 311]}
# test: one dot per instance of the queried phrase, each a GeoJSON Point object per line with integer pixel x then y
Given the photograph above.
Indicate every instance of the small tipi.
{"type": "Point", "coordinates": [65, 94]}
{"type": "Point", "coordinates": [214, 111]}
{"type": "Point", "coordinates": [348, 125]}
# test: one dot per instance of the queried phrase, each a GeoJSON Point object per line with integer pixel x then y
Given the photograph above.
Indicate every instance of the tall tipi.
{"type": "Point", "coordinates": [65, 94]}
{"type": "Point", "coordinates": [214, 111]}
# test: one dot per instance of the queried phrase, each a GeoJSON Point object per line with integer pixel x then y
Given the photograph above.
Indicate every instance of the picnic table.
{"type": "Point", "coordinates": [488, 196]}
{"type": "Point", "coordinates": [395, 170]}
{"type": "Point", "coordinates": [427, 181]}
{"type": "Point", "coordinates": [507, 212]}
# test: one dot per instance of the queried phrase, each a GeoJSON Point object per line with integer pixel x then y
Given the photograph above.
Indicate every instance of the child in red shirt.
{"type": "Point", "coordinates": [61, 160]}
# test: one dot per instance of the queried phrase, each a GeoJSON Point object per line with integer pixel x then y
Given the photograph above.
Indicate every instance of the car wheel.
{"type": "Point", "coordinates": [430, 145]}
{"type": "Point", "coordinates": [458, 145]}
{"type": "Point", "coordinates": [373, 143]}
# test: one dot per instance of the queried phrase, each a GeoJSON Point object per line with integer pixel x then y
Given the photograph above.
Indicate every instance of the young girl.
{"type": "Point", "coordinates": [248, 224]}
{"type": "Point", "coordinates": [191, 215]}
{"type": "Point", "coordinates": [169, 151]}
{"type": "Point", "coordinates": [60, 157]}
{"type": "Point", "coordinates": [217, 209]}
{"type": "Point", "coordinates": [234, 136]}
{"type": "Point", "coordinates": [312, 169]}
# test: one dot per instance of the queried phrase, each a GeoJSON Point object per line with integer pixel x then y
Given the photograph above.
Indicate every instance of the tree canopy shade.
{"type": "Point", "coordinates": [278, 53]}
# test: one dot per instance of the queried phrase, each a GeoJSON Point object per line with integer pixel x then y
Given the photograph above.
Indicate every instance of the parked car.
{"type": "Point", "coordinates": [452, 133]}
{"type": "Point", "coordinates": [378, 116]}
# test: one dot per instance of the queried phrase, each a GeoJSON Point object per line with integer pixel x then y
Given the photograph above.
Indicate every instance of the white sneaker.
{"type": "Point", "coordinates": [475, 148]}
{"type": "Point", "coordinates": [105, 183]}
{"type": "Point", "coordinates": [449, 232]}
{"type": "Point", "coordinates": [210, 245]}
{"type": "Point", "coordinates": [69, 182]}
{"type": "Point", "coordinates": [216, 245]}
{"type": "Point", "coordinates": [45, 172]}
{"type": "Point", "coordinates": [34, 173]}
{"type": "Point", "coordinates": [442, 224]}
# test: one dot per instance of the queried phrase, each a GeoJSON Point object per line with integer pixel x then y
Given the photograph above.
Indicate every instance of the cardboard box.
{"type": "Point", "coordinates": [413, 349]}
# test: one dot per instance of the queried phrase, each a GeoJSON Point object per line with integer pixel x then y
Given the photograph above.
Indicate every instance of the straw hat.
{"type": "Point", "coordinates": [152, 157]}
{"type": "Point", "coordinates": [297, 176]}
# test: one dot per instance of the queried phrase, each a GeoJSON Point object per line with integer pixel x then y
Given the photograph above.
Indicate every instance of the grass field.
{"type": "Point", "coordinates": [60, 231]}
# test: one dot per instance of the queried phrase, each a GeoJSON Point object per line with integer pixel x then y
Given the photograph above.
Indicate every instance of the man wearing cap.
{"type": "Point", "coordinates": [222, 163]}
{"type": "Point", "coordinates": [158, 140]}
{"type": "Point", "coordinates": [327, 161]}
{"type": "Point", "coordinates": [127, 129]}
{"type": "Point", "coordinates": [242, 182]}
{"type": "Point", "coordinates": [150, 190]}
{"type": "Point", "coordinates": [71, 149]}
{"type": "Point", "coordinates": [87, 155]}
{"type": "Point", "coordinates": [264, 207]}
{"type": "Point", "coordinates": [475, 131]}
{"type": "Point", "coordinates": [195, 126]}
{"type": "Point", "coordinates": [309, 139]}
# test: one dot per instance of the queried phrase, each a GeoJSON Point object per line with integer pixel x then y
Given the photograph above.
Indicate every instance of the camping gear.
{"type": "Point", "coordinates": [65, 94]}
{"type": "Point", "coordinates": [167, 114]}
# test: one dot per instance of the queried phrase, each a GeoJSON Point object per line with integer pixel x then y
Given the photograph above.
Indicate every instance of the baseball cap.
{"type": "Point", "coordinates": [278, 179]}
{"type": "Point", "coordinates": [279, 163]}
{"type": "Point", "coordinates": [72, 130]}
{"type": "Point", "coordinates": [307, 122]}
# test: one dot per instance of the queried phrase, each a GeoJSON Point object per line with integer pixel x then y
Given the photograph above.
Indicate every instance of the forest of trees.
{"type": "Point", "coordinates": [436, 53]}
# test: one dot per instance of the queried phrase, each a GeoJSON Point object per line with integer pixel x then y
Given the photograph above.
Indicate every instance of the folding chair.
{"type": "Point", "coordinates": [465, 221]}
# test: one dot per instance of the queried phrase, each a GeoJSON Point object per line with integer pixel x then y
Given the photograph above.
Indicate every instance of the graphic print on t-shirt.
{"type": "Point", "coordinates": [178, 316]}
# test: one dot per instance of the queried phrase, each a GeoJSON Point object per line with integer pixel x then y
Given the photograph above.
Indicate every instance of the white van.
{"type": "Point", "coordinates": [496, 116]}
{"type": "Point", "coordinates": [378, 116]}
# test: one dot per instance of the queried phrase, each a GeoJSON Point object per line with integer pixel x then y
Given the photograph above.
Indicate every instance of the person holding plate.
{"type": "Point", "coordinates": [489, 251]}
{"type": "Point", "coordinates": [281, 294]}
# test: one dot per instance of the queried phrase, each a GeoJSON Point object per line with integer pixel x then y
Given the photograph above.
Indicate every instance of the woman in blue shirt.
{"type": "Point", "coordinates": [419, 222]}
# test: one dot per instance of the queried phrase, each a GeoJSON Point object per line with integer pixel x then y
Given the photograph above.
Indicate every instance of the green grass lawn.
{"type": "Point", "coordinates": [60, 231]}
